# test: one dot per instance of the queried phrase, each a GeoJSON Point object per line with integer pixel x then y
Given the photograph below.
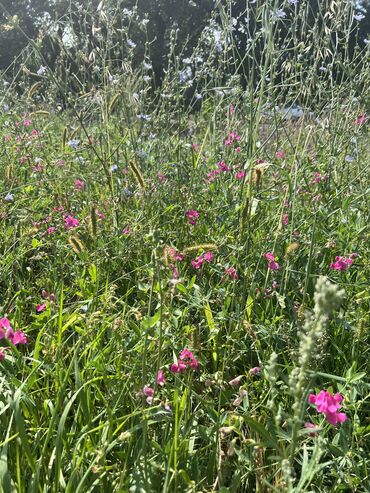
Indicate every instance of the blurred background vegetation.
{"type": "Point", "coordinates": [45, 22]}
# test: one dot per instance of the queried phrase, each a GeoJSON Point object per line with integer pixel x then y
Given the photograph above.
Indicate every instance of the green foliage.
{"type": "Point", "coordinates": [95, 228]}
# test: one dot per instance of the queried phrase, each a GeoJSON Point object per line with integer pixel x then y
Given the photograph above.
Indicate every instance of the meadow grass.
{"type": "Point", "coordinates": [189, 269]}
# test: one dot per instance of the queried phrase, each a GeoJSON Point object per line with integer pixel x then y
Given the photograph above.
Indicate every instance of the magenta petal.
{"type": "Point", "coordinates": [312, 398]}
{"type": "Point", "coordinates": [341, 417]}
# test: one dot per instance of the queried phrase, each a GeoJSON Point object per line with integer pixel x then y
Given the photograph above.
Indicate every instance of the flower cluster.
{"type": "Point", "coordinates": [222, 167]}
{"type": "Point", "coordinates": [342, 263]}
{"type": "Point", "coordinates": [192, 216]}
{"type": "Point", "coordinates": [71, 222]}
{"type": "Point", "coordinates": [272, 264]}
{"type": "Point", "coordinates": [318, 177]}
{"type": "Point", "coordinates": [328, 404]}
{"type": "Point", "coordinates": [186, 360]}
{"type": "Point", "coordinates": [14, 337]}
{"type": "Point", "coordinates": [199, 261]}
{"type": "Point", "coordinates": [231, 138]}
{"type": "Point", "coordinates": [231, 272]}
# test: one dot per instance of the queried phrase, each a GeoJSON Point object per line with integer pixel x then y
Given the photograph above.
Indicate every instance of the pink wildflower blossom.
{"type": "Point", "coordinates": [318, 178]}
{"type": "Point", "coordinates": [310, 426]}
{"type": "Point", "coordinates": [19, 337]}
{"type": "Point", "coordinates": [280, 154]}
{"type": "Point", "coordinates": [79, 185]}
{"type": "Point", "coordinates": [9, 334]}
{"type": "Point", "coordinates": [223, 167]}
{"type": "Point", "coordinates": [51, 230]}
{"type": "Point", "coordinates": [160, 378]}
{"type": "Point", "coordinates": [328, 404]}
{"type": "Point", "coordinates": [272, 264]}
{"type": "Point", "coordinates": [208, 257]}
{"type": "Point", "coordinates": [240, 175]}
{"type": "Point", "coordinates": [192, 216]}
{"type": "Point", "coordinates": [2, 355]}
{"type": "Point", "coordinates": [256, 370]}
{"type": "Point", "coordinates": [40, 308]}
{"type": "Point", "coordinates": [195, 147]}
{"type": "Point", "coordinates": [175, 255]}
{"type": "Point", "coordinates": [361, 119]}
{"type": "Point", "coordinates": [236, 381]}
{"type": "Point", "coordinates": [231, 271]}
{"type": "Point", "coordinates": [26, 123]}
{"type": "Point", "coordinates": [341, 263]}
{"type": "Point", "coordinates": [99, 214]}
{"type": "Point", "coordinates": [232, 137]}
{"type": "Point", "coordinates": [198, 262]}
{"type": "Point", "coordinates": [127, 230]}
{"type": "Point", "coordinates": [148, 391]}
{"type": "Point", "coordinates": [71, 222]}
{"type": "Point", "coordinates": [178, 368]}
{"type": "Point", "coordinates": [285, 219]}
{"type": "Point", "coordinates": [238, 149]}
{"type": "Point", "coordinates": [188, 358]}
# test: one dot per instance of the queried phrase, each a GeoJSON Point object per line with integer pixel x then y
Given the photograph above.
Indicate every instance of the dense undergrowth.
{"type": "Point", "coordinates": [184, 271]}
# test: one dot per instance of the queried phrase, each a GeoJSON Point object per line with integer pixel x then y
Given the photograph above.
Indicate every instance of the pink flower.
{"type": "Point", "coordinates": [240, 175]}
{"type": "Point", "coordinates": [99, 214]}
{"type": "Point", "coordinates": [280, 154]}
{"type": "Point", "coordinates": [127, 230]}
{"type": "Point", "coordinates": [361, 119]}
{"type": "Point", "coordinates": [178, 368]}
{"type": "Point", "coordinates": [208, 257]}
{"type": "Point", "coordinates": [40, 308]}
{"type": "Point", "coordinates": [230, 271]}
{"type": "Point", "coordinates": [285, 219]}
{"type": "Point", "coordinates": [79, 185]}
{"type": "Point", "coordinates": [160, 378]}
{"type": "Point", "coordinates": [236, 381]}
{"type": "Point", "coordinates": [175, 271]}
{"type": "Point", "coordinates": [192, 216]}
{"type": "Point", "coordinates": [9, 334]}
{"type": "Point", "coordinates": [4, 324]}
{"type": "Point", "coordinates": [175, 255]}
{"type": "Point", "coordinates": [51, 230]}
{"type": "Point", "coordinates": [26, 123]}
{"type": "Point", "coordinates": [2, 355]}
{"type": "Point", "coordinates": [231, 109]}
{"type": "Point", "coordinates": [319, 178]}
{"type": "Point", "coordinates": [269, 256]}
{"type": "Point", "coordinates": [310, 426]}
{"type": "Point", "coordinates": [197, 263]}
{"type": "Point", "coordinates": [341, 263]}
{"type": "Point", "coordinates": [238, 149]}
{"type": "Point", "coordinates": [272, 264]}
{"type": "Point", "coordinates": [186, 360]}
{"type": "Point", "coordinates": [19, 337]}
{"type": "Point", "coordinates": [255, 370]}
{"type": "Point", "coordinates": [188, 357]}
{"type": "Point", "coordinates": [232, 137]}
{"type": "Point", "coordinates": [71, 222]}
{"type": "Point", "coordinates": [148, 391]}
{"type": "Point", "coordinates": [328, 404]}
{"type": "Point", "coordinates": [195, 147]}
{"type": "Point", "coordinates": [223, 167]}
